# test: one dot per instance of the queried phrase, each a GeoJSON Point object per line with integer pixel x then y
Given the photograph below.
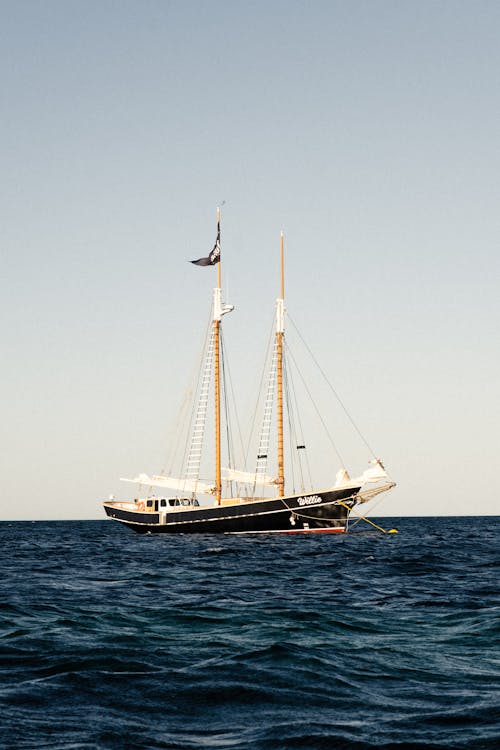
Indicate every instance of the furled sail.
{"type": "Point", "coordinates": [247, 477]}
{"type": "Point", "coordinates": [342, 477]}
{"type": "Point", "coordinates": [184, 485]}
{"type": "Point", "coordinates": [374, 474]}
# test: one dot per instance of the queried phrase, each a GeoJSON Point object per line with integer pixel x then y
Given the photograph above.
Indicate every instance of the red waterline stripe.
{"type": "Point", "coordinates": [336, 530]}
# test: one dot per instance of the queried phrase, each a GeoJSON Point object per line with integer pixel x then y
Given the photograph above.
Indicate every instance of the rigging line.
{"type": "Point", "coordinates": [291, 425]}
{"type": "Point", "coordinates": [364, 518]}
{"type": "Point", "coordinates": [301, 429]}
{"type": "Point", "coordinates": [224, 396]}
{"type": "Point", "coordinates": [180, 420]}
{"type": "Point", "coordinates": [182, 414]}
{"type": "Point", "coordinates": [293, 410]}
{"type": "Point", "coordinates": [232, 396]}
{"type": "Point", "coordinates": [370, 510]}
{"type": "Point", "coordinates": [204, 351]}
{"type": "Point", "coordinates": [267, 412]}
{"type": "Point", "coordinates": [264, 369]}
{"type": "Point", "coordinates": [229, 435]}
{"type": "Point", "coordinates": [230, 400]}
{"type": "Point", "coordinates": [336, 450]}
{"type": "Point", "coordinates": [351, 420]}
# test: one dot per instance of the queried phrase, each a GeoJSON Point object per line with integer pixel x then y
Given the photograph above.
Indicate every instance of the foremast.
{"type": "Point", "coordinates": [280, 332]}
{"type": "Point", "coordinates": [219, 309]}
{"type": "Point", "coordinates": [217, 316]}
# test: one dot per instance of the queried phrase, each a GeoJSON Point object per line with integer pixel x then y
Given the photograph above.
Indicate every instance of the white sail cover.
{"type": "Point", "coordinates": [342, 477]}
{"type": "Point", "coordinates": [374, 474]}
{"type": "Point", "coordinates": [184, 485]}
{"type": "Point", "coordinates": [247, 477]}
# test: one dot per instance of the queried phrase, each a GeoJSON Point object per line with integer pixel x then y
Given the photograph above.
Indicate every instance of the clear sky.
{"type": "Point", "coordinates": [367, 131]}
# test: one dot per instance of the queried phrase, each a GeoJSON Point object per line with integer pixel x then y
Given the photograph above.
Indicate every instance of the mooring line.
{"type": "Point", "coordinates": [364, 518]}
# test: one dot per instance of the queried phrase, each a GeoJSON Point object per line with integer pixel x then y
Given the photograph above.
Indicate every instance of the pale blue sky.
{"type": "Point", "coordinates": [368, 131]}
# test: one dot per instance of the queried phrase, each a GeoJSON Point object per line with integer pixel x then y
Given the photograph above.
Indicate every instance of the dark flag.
{"type": "Point", "coordinates": [214, 257]}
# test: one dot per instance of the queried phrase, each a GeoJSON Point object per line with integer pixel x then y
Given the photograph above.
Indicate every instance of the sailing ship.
{"type": "Point", "coordinates": [187, 505]}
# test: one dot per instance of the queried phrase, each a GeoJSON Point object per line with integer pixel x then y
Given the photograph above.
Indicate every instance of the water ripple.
{"type": "Point", "coordinates": [237, 642]}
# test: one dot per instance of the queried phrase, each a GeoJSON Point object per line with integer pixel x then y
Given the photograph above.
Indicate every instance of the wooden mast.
{"type": "Point", "coordinates": [280, 329]}
{"type": "Point", "coordinates": [216, 329]}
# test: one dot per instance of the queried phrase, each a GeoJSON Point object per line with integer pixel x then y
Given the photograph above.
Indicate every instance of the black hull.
{"type": "Point", "coordinates": [313, 512]}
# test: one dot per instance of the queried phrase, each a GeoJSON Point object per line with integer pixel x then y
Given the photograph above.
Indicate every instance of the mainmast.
{"type": "Point", "coordinates": [280, 331]}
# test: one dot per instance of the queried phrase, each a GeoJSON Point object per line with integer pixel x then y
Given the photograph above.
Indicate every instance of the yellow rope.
{"type": "Point", "coordinates": [364, 518]}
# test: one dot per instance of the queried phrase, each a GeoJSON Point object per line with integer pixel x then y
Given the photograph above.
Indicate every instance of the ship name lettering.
{"type": "Point", "coordinates": [311, 500]}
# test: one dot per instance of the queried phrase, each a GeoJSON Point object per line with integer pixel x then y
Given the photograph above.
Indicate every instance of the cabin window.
{"type": "Point", "coordinates": [163, 503]}
{"type": "Point", "coordinates": [185, 501]}
{"type": "Point", "coordinates": [149, 503]}
{"type": "Point", "coordinates": [196, 503]}
{"type": "Point", "coordinates": [171, 502]}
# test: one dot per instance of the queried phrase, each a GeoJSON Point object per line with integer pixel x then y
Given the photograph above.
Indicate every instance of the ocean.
{"type": "Point", "coordinates": [113, 640]}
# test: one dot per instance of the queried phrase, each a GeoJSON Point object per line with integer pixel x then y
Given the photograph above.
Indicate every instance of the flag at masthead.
{"type": "Point", "coordinates": [214, 256]}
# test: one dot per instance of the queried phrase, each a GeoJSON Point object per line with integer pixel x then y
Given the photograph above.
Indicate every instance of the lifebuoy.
{"type": "Point", "coordinates": [140, 505]}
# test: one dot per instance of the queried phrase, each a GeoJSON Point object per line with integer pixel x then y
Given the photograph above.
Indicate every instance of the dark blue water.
{"type": "Point", "coordinates": [112, 640]}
